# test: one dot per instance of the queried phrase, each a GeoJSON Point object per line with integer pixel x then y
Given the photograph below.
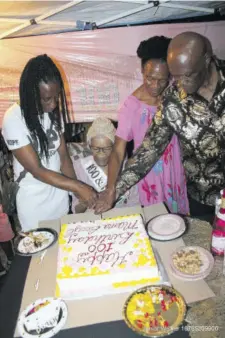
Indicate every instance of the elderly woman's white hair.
{"type": "Point", "coordinates": [101, 127]}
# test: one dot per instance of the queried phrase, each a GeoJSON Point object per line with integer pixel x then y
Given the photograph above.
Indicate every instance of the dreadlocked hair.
{"type": "Point", "coordinates": [37, 70]}
{"type": "Point", "coordinates": [153, 48]}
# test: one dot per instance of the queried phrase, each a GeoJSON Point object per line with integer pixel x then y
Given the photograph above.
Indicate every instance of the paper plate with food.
{"type": "Point", "coordinates": [191, 263]}
{"type": "Point", "coordinates": [35, 241]}
{"type": "Point", "coordinates": [43, 319]}
{"type": "Point", "coordinates": [154, 311]}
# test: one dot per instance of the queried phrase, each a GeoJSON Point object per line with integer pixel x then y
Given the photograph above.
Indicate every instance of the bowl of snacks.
{"type": "Point", "coordinates": [154, 311]}
{"type": "Point", "coordinates": [191, 263]}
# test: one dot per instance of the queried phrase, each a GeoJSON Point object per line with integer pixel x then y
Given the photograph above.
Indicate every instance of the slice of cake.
{"type": "Point", "coordinates": [104, 257]}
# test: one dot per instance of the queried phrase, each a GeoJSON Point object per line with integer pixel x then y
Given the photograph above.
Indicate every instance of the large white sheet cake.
{"type": "Point", "coordinates": [104, 257]}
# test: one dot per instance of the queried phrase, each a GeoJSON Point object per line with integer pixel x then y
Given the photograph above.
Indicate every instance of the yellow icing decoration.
{"type": "Point", "coordinates": [67, 249]}
{"type": "Point", "coordinates": [67, 272]}
{"type": "Point", "coordinates": [120, 217]}
{"type": "Point", "coordinates": [141, 261]}
{"type": "Point", "coordinates": [137, 234]}
{"type": "Point", "coordinates": [65, 259]}
{"type": "Point", "coordinates": [122, 266]}
{"type": "Point", "coordinates": [95, 271]}
{"type": "Point", "coordinates": [82, 269]}
{"type": "Point", "coordinates": [136, 282]}
{"type": "Point", "coordinates": [57, 291]}
{"type": "Point", "coordinates": [139, 242]}
{"type": "Point", "coordinates": [62, 233]}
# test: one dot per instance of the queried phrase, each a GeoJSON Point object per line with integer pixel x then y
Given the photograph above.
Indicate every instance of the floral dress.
{"type": "Point", "coordinates": [166, 181]}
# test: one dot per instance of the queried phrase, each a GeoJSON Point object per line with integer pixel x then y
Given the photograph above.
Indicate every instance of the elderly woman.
{"type": "Point", "coordinates": [93, 169]}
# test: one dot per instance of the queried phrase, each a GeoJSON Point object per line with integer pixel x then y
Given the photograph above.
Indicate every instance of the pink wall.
{"type": "Point", "coordinates": [101, 66]}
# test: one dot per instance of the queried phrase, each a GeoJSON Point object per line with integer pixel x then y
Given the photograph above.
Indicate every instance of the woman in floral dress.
{"type": "Point", "coordinates": [166, 181]}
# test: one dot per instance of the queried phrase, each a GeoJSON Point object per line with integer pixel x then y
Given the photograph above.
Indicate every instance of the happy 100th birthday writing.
{"type": "Point", "coordinates": [101, 246]}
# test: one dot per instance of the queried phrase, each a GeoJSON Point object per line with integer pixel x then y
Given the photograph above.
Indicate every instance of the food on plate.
{"type": "Point", "coordinates": [33, 241]}
{"type": "Point", "coordinates": [38, 307]}
{"type": "Point", "coordinates": [188, 261]}
{"type": "Point", "coordinates": [39, 240]}
{"type": "Point", "coordinates": [154, 310]}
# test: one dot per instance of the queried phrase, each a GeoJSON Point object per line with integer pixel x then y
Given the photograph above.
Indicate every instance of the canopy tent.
{"type": "Point", "coordinates": [99, 65]}
{"type": "Point", "coordinates": [26, 18]}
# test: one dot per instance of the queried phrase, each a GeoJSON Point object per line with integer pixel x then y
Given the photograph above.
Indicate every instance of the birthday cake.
{"type": "Point", "coordinates": [103, 257]}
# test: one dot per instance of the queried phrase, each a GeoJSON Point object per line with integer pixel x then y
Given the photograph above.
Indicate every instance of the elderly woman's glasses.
{"type": "Point", "coordinates": [104, 150]}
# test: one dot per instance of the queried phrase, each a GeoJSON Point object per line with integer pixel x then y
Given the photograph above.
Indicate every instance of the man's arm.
{"type": "Point", "coordinates": [66, 164]}
{"type": "Point", "coordinates": [154, 144]}
{"type": "Point", "coordinates": [28, 158]}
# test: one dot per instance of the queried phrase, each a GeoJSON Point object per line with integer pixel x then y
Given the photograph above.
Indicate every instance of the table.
{"type": "Point", "coordinates": [210, 312]}
{"type": "Point", "coordinates": [10, 299]}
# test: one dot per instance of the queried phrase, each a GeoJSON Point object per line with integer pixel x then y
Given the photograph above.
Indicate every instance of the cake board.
{"type": "Point", "coordinates": [106, 308]}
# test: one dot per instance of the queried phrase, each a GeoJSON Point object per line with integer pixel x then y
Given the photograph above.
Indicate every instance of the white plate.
{"type": "Point", "coordinates": [166, 227]}
{"type": "Point", "coordinates": [207, 264]}
{"type": "Point", "coordinates": [50, 333]}
{"type": "Point", "coordinates": [24, 246]}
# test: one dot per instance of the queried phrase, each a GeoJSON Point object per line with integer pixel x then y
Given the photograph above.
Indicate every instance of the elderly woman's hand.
{"type": "Point", "coordinates": [106, 200]}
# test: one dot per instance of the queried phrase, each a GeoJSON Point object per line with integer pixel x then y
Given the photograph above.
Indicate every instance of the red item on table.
{"type": "Point", "coordinates": [6, 233]}
{"type": "Point", "coordinates": [218, 233]}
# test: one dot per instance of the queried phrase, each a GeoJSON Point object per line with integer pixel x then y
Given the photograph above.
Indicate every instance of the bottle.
{"type": "Point", "coordinates": [218, 233]}
{"type": "Point", "coordinates": [218, 202]}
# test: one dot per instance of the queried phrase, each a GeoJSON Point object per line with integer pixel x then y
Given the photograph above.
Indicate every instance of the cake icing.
{"type": "Point", "coordinates": [104, 257]}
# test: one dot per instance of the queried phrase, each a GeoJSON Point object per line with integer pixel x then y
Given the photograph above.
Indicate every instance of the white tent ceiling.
{"type": "Point", "coordinates": [26, 18]}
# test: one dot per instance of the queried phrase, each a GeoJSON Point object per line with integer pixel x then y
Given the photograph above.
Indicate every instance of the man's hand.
{"type": "Point", "coordinates": [87, 195]}
{"type": "Point", "coordinates": [105, 200]}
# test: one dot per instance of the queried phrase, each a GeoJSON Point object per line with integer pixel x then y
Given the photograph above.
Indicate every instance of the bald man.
{"type": "Point", "coordinates": [193, 107]}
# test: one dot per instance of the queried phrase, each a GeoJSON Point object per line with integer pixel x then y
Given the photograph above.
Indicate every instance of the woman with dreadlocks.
{"type": "Point", "coordinates": [33, 131]}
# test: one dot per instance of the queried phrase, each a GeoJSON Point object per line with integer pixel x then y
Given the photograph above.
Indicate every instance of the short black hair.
{"type": "Point", "coordinates": [153, 48]}
{"type": "Point", "coordinates": [37, 70]}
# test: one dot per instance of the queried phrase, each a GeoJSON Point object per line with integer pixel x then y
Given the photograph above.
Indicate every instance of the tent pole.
{"type": "Point", "coordinates": [143, 2]}
{"type": "Point", "coordinates": [123, 14]}
{"type": "Point", "coordinates": [59, 23]}
{"type": "Point", "coordinates": [15, 29]}
{"type": "Point", "coordinates": [13, 20]}
{"type": "Point", "coordinates": [190, 8]}
{"type": "Point", "coordinates": [58, 10]}
{"type": "Point", "coordinates": [27, 23]}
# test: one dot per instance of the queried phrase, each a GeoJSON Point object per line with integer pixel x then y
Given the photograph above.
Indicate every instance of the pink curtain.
{"type": "Point", "coordinates": [100, 67]}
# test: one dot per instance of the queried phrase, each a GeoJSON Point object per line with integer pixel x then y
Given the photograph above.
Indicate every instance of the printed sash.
{"type": "Point", "coordinates": [98, 178]}
{"type": "Point", "coordinates": [94, 173]}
